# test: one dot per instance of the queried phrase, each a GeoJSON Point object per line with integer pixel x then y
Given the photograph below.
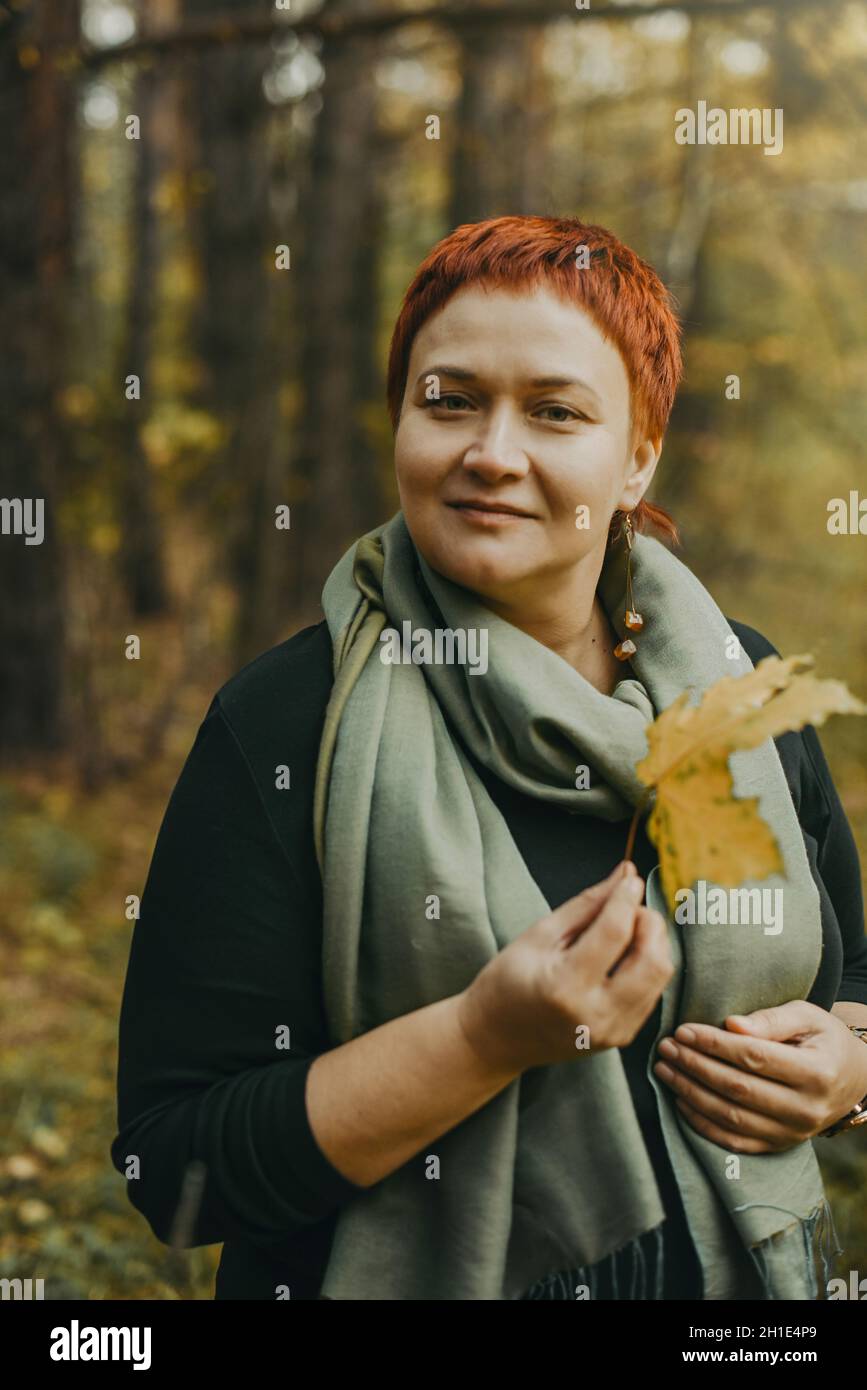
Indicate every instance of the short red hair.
{"type": "Point", "coordinates": [623, 294]}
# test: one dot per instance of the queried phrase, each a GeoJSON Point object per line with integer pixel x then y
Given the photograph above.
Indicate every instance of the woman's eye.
{"type": "Point", "coordinates": [453, 404]}
{"type": "Point", "coordinates": [566, 413]}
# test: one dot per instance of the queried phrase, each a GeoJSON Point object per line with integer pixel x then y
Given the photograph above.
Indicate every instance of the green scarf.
{"type": "Point", "coordinates": [552, 1174]}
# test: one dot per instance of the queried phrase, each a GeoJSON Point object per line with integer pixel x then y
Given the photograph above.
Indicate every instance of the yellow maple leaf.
{"type": "Point", "coordinates": [699, 827]}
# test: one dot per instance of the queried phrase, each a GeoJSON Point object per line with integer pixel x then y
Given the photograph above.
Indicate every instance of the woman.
{"type": "Point", "coordinates": [394, 999]}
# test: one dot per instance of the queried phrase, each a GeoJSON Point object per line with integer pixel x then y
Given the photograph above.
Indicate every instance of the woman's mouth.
{"type": "Point", "coordinates": [487, 515]}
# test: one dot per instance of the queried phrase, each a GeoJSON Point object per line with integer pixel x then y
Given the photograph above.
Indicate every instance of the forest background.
{"type": "Point", "coordinates": [262, 386]}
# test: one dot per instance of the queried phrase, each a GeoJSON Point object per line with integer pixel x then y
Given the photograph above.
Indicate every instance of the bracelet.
{"type": "Point", "coordinates": [858, 1114]}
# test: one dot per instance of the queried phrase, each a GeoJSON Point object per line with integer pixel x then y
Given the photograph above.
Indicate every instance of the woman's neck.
{"type": "Point", "coordinates": [588, 645]}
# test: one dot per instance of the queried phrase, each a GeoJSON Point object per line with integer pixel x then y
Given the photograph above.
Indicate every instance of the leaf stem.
{"type": "Point", "coordinates": [633, 824]}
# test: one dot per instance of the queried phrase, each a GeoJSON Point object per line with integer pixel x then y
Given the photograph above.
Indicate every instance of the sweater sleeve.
{"type": "Point", "coordinates": [224, 971]}
{"type": "Point", "coordinates": [838, 862]}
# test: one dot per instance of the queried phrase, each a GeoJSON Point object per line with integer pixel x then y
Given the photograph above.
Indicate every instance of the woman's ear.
{"type": "Point", "coordinates": [642, 467]}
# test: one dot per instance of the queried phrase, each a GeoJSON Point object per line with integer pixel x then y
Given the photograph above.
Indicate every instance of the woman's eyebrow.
{"type": "Point", "coordinates": [461, 374]}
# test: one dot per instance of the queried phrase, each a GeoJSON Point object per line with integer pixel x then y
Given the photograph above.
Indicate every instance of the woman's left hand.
{"type": "Point", "coordinates": [768, 1080]}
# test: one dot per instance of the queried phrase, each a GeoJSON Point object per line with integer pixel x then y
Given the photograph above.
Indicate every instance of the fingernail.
{"type": "Point", "coordinates": [635, 887]}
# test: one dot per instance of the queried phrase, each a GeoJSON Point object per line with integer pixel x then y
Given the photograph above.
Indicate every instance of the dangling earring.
{"type": "Point", "coordinates": [633, 620]}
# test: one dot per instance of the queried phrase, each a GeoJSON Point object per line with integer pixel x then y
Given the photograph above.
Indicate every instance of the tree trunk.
{"type": "Point", "coordinates": [499, 157]}
{"type": "Point", "coordinates": [37, 116]}
{"type": "Point", "coordinates": [141, 552]}
{"type": "Point", "coordinates": [234, 328]}
{"type": "Point", "coordinates": [336, 460]}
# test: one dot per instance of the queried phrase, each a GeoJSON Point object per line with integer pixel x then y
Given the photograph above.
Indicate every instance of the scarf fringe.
{"type": "Point", "coordinates": [561, 1285]}
{"type": "Point", "coordinates": [819, 1236]}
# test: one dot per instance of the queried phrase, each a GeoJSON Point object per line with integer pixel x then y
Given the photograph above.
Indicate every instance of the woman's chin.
{"type": "Point", "coordinates": [488, 576]}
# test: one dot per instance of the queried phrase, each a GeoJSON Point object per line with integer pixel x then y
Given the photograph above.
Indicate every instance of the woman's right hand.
{"type": "Point", "coordinates": [524, 1007]}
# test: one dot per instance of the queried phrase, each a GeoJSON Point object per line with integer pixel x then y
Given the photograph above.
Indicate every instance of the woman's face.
{"type": "Point", "coordinates": [534, 413]}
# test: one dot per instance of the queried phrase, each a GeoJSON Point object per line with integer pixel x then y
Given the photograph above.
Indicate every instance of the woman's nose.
{"type": "Point", "coordinates": [496, 450]}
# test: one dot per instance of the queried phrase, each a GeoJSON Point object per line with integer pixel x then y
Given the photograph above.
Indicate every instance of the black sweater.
{"type": "Point", "coordinates": [227, 951]}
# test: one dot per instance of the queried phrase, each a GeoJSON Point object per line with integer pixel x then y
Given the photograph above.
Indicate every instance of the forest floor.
{"type": "Point", "coordinates": [69, 858]}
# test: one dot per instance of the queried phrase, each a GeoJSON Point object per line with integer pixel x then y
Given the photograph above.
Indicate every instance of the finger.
{"type": "Point", "coordinates": [576, 912]}
{"type": "Point", "coordinates": [731, 1097]}
{"type": "Point", "coordinates": [792, 1066]}
{"type": "Point", "coordinates": [794, 1018]}
{"type": "Point", "coordinates": [734, 1119]}
{"type": "Point", "coordinates": [634, 985]}
{"type": "Point", "coordinates": [734, 1143]}
{"type": "Point", "coordinates": [646, 960]}
{"type": "Point", "coordinates": [605, 939]}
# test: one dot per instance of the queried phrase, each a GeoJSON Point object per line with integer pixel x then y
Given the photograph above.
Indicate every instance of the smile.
{"type": "Point", "coordinates": [487, 516]}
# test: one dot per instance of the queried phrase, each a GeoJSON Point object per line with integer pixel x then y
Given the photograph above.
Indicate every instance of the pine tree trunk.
{"type": "Point", "coordinates": [37, 164]}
